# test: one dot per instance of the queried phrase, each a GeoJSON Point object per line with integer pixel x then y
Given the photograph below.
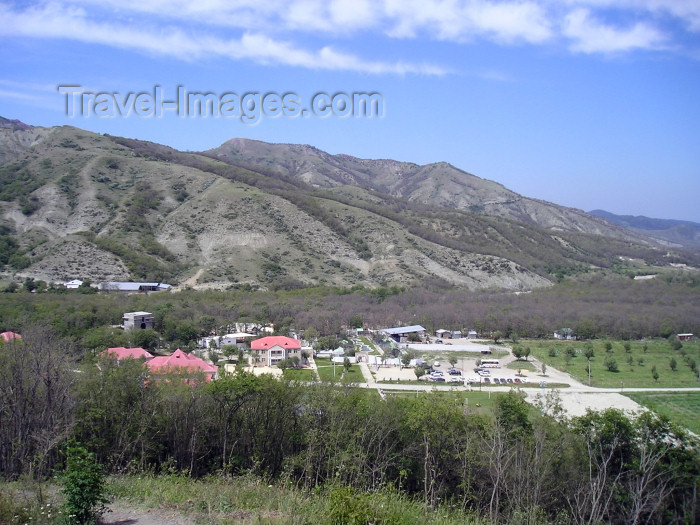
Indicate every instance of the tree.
{"type": "Point", "coordinates": [329, 342]}
{"type": "Point", "coordinates": [588, 351]}
{"type": "Point", "coordinates": [611, 364]}
{"type": "Point", "coordinates": [356, 321]}
{"type": "Point", "coordinates": [672, 363]}
{"type": "Point", "coordinates": [608, 346]}
{"type": "Point", "coordinates": [147, 339]}
{"type": "Point", "coordinates": [310, 334]}
{"type": "Point", "coordinates": [526, 352]}
{"type": "Point", "coordinates": [346, 364]}
{"type": "Point", "coordinates": [453, 360]}
{"type": "Point", "coordinates": [518, 352]}
{"type": "Point", "coordinates": [655, 373]}
{"type": "Point", "coordinates": [419, 371]}
{"type": "Point", "coordinates": [497, 335]}
{"type": "Point", "coordinates": [406, 359]}
{"type": "Point", "coordinates": [544, 369]}
{"type": "Point", "coordinates": [627, 346]}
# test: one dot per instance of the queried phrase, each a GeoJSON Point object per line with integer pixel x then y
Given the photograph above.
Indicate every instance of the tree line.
{"type": "Point", "coordinates": [598, 307]}
{"type": "Point", "coordinates": [513, 464]}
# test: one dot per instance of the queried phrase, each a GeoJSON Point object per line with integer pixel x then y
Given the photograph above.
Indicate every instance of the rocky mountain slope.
{"type": "Point", "coordinates": [75, 204]}
{"type": "Point", "coordinates": [440, 184]}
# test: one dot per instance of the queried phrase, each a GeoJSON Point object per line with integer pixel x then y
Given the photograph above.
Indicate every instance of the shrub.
{"type": "Point", "coordinates": [83, 486]}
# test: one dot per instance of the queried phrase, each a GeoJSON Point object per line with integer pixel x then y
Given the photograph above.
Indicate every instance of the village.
{"type": "Point", "coordinates": [392, 361]}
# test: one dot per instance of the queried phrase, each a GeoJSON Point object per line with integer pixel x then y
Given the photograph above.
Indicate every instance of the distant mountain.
{"type": "Point", "coordinates": [438, 185]}
{"type": "Point", "coordinates": [667, 232]}
{"type": "Point", "coordinates": [75, 204]}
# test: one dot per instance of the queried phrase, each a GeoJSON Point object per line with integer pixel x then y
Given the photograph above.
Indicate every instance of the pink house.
{"type": "Point", "coordinates": [180, 362]}
{"type": "Point", "coordinates": [120, 353]}
{"type": "Point", "coordinates": [8, 337]}
{"type": "Point", "coordinates": [271, 350]}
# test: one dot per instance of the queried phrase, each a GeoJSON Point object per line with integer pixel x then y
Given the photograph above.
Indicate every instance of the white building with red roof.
{"type": "Point", "coordinates": [181, 363]}
{"type": "Point", "coordinates": [8, 337]}
{"type": "Point", "coordinates": [120, 353]}
{"type": "Point", "coordinates": [271, 350]}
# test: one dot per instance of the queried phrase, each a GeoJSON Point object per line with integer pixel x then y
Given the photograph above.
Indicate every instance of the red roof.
{"type": "Point", "coordinates": [10, 336]}
{"type": "Point", "coordinates": [278, 340]}
{"type": "Point", "coordinates": [182, 361]}
{"type": "Point", "coordinates": [127, 353]}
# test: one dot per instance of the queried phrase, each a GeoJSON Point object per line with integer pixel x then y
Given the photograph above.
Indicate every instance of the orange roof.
{"type": "Point", "coordinates": [10, 336]}
{"type": "Point", "coordinates": [181, 360]}
{"type": "Point", "coordinates": [127, 353]}
{"type": "Point", "coordinates": [278, 340]}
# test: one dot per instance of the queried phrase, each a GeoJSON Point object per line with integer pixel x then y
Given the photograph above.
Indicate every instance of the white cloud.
{"type": "Point", "coordinates": [450, 20]}
{"type": "Point", "coordinates": [686, 11]}
{"type": "Point", "coordinates": [591, 36]}
{"type": "Point", "coordinates": [279, 31]}
{"type": "Point", "coordinates": [54, 21]}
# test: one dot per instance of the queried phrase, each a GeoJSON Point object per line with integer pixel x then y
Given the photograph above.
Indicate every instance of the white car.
{"type": "Point", "coordinates": [436, 363]}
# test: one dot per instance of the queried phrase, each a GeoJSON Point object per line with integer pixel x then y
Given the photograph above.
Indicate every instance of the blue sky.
{"type": "Point", "coordinates": [586, 103]}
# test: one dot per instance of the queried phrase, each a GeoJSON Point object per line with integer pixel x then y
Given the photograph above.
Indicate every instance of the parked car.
{"type": "Point", "coordinates": [438, 379]}
{"type": "Point", "coordinates": [503, 381]}
{"type": "Point", "coordinates": [517, 380]}
{"type": "Point", "coordinates": [438, 341]}
{"type": "Point", "coordinates": [487, 380]}
{"type": "Point", "coordinates": [509, 380]}
{"type": "Point", "coordinates": [454, 372]}
{"type": "Point", "coordinates": [437, 373]}
{"type": "Point", "coordinates": [455, 379]}
{"type": "Point", "coordinates": [436, 363]}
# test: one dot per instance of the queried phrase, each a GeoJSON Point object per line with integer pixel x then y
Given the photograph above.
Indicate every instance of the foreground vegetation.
{"type": "Point", "coordinates": [235, 500]}
{"type": "Point", "coordinates": [435, 452]}
{"type": "Point", "coordinates": [614, 364]}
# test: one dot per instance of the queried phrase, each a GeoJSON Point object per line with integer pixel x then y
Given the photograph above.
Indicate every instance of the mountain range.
{"type": "Point", "coordinates": [75, 204]}
{"type": "Point", "coordinates": [668, 232]}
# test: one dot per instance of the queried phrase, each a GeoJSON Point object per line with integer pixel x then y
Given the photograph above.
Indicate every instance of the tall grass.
{"type": "Point", "coordinates": [250, 499]}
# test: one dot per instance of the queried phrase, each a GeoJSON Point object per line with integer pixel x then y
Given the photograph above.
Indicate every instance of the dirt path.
{"type": "Point", "coordinates": [122, 513]}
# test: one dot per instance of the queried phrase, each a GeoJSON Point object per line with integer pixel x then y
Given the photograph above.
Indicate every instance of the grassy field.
{"type": "Point", "coordinates": [682, 408]}
{"type": "Point", "coordinates": [634, 366]}
{"type": "Point", "coordinates": [325, 372]}
{"type": "Point", "coordinates": [302, 374]}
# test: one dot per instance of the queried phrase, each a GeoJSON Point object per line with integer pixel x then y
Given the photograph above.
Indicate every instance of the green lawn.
{"type": "Point", "coordinates": [682, 408]}
{"type": "Point", "coordinates": [325, 372]}
{"type": "Point", "coordinates": [473, 402]}
{"type": "Point", "coordinates": [301, 374]}
{"type": "Point", "coordinates": [638, 373]}
{"type": "Point", "coordinates": [521, 365]}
